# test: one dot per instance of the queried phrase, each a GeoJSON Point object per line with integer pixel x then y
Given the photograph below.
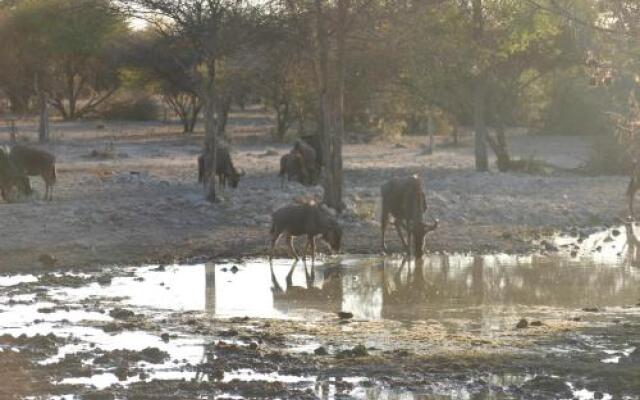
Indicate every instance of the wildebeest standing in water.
{"type": "Point", "coordinates": [304, 219]}
{"type": "Point", "coordinates": [34, 162]}
{"type": "Point", "coordinates": [404, 199]}
{"type": "Point", "coordinates": [225, 170]}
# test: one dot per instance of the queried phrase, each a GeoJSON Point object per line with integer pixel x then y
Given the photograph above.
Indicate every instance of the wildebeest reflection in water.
{"type": "Point", "coordinates": [478, 289]}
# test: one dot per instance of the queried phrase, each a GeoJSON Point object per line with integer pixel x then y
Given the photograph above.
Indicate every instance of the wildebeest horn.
{"type": "Point", "coordinates": [241, 173]}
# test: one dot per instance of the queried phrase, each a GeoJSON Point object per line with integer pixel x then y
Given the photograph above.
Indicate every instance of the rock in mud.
{"type": "Point", "coordinates": [358, 351]}
{"type": "Point", "coordinates": [321, 351]}
{"type": "Point", "coordinates": [547, 387]}
{"type": "Point", "coordinates": [345, 315]}
{"type": "Point", "coordinates": [591, 309]}
{"type": "Point", "coordinates": [104, 280]}
{"type": "Point", "coordinates": [121, 313]}
{"type": "Point", "coordinates": [48, 260]}
{"type": "Point", "coordinates": [634, 357]}
{"type": "Point", "coordinates": [536, 323]}
{"type": "Point", "coordinates": [523, 323]}
{"type": "Point", "coordinates": [151, 355]}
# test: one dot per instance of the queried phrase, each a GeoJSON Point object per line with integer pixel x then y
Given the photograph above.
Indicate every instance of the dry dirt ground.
{"type": "Point", "coordinates": [144, 205]}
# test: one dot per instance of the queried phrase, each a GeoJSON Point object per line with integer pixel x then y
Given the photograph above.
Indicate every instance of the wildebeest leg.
{"type": "Point", "coordinates": [292, 249]}
{"type": "Point", "coordinates": [311, 242]}
{"type": "Point", "coordinates": [274, 241]}
{"type": "Point", "coordinates": [289, 278]}
{"type": "Point", "coordinates": [383, 225]}
{"type": "Point", "coordinates": [399, 226]}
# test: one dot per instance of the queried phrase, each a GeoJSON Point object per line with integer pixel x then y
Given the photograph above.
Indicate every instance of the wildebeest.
{"type": "Point", "coordinates": [34, 162]}
{"type": "Point", "coordinates": [304, 219]}
{"type": "Point", "coordinates": [225, 170]}
{"type": "Point", "coordinates": [11, 177]}
{"type": "Point", "coordinates": [308, 155]}
{"type": "Point", "coordinates": [315, 141]}
{"type": "Point", "coordinates": [291, 168]}
{"type": "Point", "coordinates": [404, 199]}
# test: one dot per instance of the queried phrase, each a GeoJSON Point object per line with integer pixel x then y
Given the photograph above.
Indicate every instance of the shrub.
{"type": "Point", "coordinates": [608, 157]}
{"type": "Point", "coordinates": [576, 109]}
{"type": "Point", "coordinates": [132, 108]}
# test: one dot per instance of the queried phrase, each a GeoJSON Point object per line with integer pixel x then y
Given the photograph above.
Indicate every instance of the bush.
{"type": "Point", "coordinates": [134, 108]}
{"type": "Point", "coordinates": [608, 157]}
{"type": "Point", "coordinates": [576, 109]}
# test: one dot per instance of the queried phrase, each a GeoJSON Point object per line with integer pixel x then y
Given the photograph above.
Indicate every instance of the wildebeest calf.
{"type": "Point", "coordinates": [404, 199]}
{"type": "Point", "coordinates": [34, 162]}
{"type": "Point", "coordinates": [225, 170]}
{"type": "Point", "coordinates": [304, 219]}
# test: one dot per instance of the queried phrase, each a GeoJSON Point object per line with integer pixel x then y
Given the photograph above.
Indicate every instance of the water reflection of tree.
{"type": "Point", "coordinates": [210, 288]}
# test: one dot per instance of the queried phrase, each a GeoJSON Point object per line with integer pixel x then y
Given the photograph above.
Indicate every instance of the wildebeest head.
{"type": "Point", "coordinates": [333, 236]}
{"type": "Point", "coordinates": [419, 232]}
{"type": "Point", "coordinates": [234, 178]}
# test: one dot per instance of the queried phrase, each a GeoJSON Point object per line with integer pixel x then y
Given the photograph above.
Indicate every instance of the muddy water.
{"type": "Point", "coordinates": [462, 294]}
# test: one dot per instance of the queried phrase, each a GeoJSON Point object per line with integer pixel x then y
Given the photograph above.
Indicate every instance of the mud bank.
{"type": "Point", "coordinates": [357, 327]}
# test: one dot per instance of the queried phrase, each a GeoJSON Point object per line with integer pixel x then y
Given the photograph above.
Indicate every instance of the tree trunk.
{"type": "Point", "coordinates": [194, 112]}
{"type": "Point", "coordinates": [482, 161]}
{"type": "Point", "coordinates": [209, 98]}
{"type": "Point", "coordinates": [332, 104]}
{"type": "Point", "coordinates": [43, 108]}
{"type": "Point", "coordinates": [499, 147]}
{"type": "Point", "coordinates": [282, 120]}
{"type": "Point", "coordinates": [480, 127]}
{"type": "Point", "coordinates": [210, 144]}
{"type": "Point", "coordinates": [223, 116]}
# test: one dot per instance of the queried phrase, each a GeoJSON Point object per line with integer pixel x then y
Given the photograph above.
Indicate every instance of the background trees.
{"type": "Point", "coordinates": [388, 67]}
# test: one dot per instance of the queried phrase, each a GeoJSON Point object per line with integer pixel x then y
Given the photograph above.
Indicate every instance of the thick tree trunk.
{"type": "Point", "coordinates": [332, 104]}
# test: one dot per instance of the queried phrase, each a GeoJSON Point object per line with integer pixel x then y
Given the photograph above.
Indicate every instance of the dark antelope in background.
{"type": "Point", "coordinates": [404, 199]}
{"type": "Point", "coordinates": [11, 178]}
{"type": "Point", "coordinates": [225, 170]}
{"type": "Point", "coordinates": [34, 162]}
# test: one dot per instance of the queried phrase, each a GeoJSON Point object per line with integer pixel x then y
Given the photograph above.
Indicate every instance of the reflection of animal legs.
{"type": "Point", "coordinates": [292, 249]}
{"type": "Point", "coordinates": [274, 241]}
{"type": "Point", "coordinates": [383, 224]}
{"type": "Point", "coordinates": [289, 278]}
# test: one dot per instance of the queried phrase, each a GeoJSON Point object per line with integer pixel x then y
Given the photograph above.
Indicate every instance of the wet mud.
{"type": "Point", "coordinates": [446, 327]}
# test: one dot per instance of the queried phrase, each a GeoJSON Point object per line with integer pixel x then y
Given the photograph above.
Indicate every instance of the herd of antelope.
{"type": "Point", "coordinates": [402, 197]}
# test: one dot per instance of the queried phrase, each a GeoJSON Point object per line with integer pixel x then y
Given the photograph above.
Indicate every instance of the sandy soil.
{"type": "Point", "coordinates": [146, 206]}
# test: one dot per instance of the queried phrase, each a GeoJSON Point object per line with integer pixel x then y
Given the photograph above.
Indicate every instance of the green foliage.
{"type": "Point", "coordinates": [575, 108]}
{"type": "Point", "coordinates": [132, 108]}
